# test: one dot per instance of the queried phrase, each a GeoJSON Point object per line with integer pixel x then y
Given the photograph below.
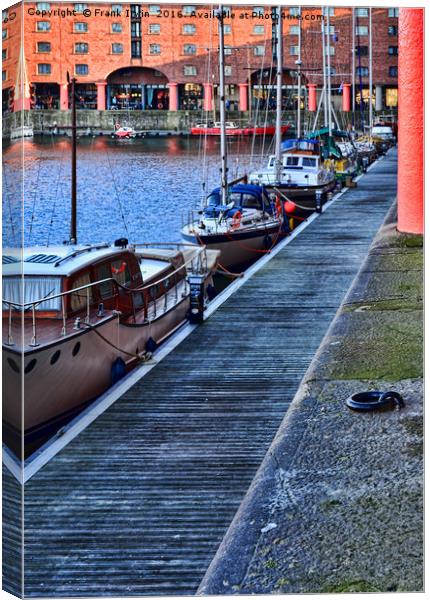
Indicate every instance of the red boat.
{"type": "Point", "coordinates": [232, 129]}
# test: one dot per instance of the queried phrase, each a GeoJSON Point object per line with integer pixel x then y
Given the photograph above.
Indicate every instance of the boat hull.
{"type": "Point", "coordinates": [216, 131]}
{"type": "Point", "coordinates": [51, 390]}
{"type": "Point", "coordinates": [237, 248]}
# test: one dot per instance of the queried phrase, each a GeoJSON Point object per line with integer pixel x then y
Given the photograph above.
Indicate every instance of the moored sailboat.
{"type": "Point", "coordinates": [240, 220]}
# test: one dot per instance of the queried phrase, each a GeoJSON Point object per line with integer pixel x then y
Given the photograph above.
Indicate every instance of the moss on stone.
{"type": "Point", "coordinates": [350, 586]}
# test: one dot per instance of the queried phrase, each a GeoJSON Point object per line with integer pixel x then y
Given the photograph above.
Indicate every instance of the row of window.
{"type": "Point", "coordinates": [364, 71]}
{"type": "Point", "coordinates": [190, 29]}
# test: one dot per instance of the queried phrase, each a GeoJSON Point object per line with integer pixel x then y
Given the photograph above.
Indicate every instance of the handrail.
{"type": "Point", "coordinates": [34, 303]}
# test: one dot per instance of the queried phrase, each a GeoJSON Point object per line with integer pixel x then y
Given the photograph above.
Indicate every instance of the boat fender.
{"type": "Point", "coordinates": [117, 370]}
{"type": "Point", "coordinates": [289, 207]}
{"type": "Point", "coordinates": [236, 220]}
{"type": "Point", "coordinates": [151, 345]}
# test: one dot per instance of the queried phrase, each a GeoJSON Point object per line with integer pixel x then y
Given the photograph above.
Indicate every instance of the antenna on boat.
{"type": "Point", "coordinates": [73, 221]}
{"type": "Point", "coordinates": [324, 91]}
{"type": "Point", "coordinates": [353, 67]}
{"type": "Point", "coordinates": [279, 64]}
{"type": "Point", "coordinates": [223, 146]}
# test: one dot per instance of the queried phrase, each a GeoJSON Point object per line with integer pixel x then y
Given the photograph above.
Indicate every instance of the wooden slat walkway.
{"type": "Point", "coordinates": [138, 503]}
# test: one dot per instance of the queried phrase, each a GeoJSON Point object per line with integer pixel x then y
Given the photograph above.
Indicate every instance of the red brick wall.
{"type": "Point", "coordinates": [171, 39]}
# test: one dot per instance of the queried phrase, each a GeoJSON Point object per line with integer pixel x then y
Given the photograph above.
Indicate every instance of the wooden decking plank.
{"type": "Point", "coordinates": [138, 503]}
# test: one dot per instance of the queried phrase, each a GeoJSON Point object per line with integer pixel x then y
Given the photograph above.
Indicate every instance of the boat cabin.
{"type": "Point", "coordinates": [99, 274]}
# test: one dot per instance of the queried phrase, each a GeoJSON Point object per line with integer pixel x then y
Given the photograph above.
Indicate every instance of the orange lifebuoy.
{"type": "Point", "coordinates": [121, 269]}
{"type": "Point", "coordinates": [236, 220]}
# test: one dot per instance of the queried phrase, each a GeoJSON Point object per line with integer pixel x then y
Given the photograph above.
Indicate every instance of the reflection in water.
{"type": "Point", "coordinates": [140, 189]}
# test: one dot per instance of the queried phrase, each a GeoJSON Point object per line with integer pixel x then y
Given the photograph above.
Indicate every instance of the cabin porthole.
{"type": "Point", "coordinates": [55, 357]}
{"type": "Point", "coordinates": [13, 365]}
{"type": "Point", "coordinates": [76, 348]}
{"type": "Point", "coordinates": [30, 366]}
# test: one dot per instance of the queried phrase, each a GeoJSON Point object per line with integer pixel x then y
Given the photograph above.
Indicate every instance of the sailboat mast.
{"type": "Point", "coordinates": [330, 117]}
{"type": "Point", "coordinates": [221, 93]}
{"type": "Point", "coordinates": [299, 78]}
{"type": "Point", "coordinates": [324, 90]}
{"type": "Point", "coordinates": [279, 64]}
{"type": "Point", "coordinates": [73, 216]}
{"type": "Point", "coordinates": [370, 73]}
{"type": "Point", "coordinates": [353, 66]}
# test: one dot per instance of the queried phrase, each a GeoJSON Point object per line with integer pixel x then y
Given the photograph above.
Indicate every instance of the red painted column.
{"type": "Point", "coordinates": [243, 97]}
{"type": "Point", "coordinates": [208, 97]}
{"type": "Point", "coordinates": [312, 97]}
{"type": "Point", "coordinates": [346, 97]}
{"type": "Point", "coordinates": [101, 95]}
{"type": "Point", "coordinates": [173, 96]}
{"type": "Point", "coordinates": [64, 97]}
{"type": "Point", "coordinates": [410, 176]}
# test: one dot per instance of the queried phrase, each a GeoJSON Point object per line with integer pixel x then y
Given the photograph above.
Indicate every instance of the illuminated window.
{"type": "Point", "coordinates": [391, 97]}
{"type": "Point", "coordinates": [43, 26]}
{"type": "Point", "coordinates": [154, 28]}
{"type": "Point", "coordinates": [81, 69]}
{"type": "Point", "coordinates": [154, 9]}
{"type": "Point", "coordinates": [393, 12]}
{"type": "Point", "coordinates": [258, 50]}
{"type": "Point", "coordinates": [44, 69]}
{"type": "Point", "coordinates": [258, 29]}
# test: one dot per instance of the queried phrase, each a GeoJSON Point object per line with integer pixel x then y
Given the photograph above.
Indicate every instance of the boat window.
{"type": "Point", "coordinates": [213, 200]}
{"type": "Point", "coordinates": [121, 271]}
{"type": "Point", "coordinates": [250, 201]}
{"type": "Point", "coordinates": [292, 161]}
{"type": "Point", "coordinates": [104, 272]}
{"type": "Point", "coordinates": [235, 197]}
{"type": "Point", "coordinates": [272, 161]}
{"type": "Point", "coordinates": [78, 300]}
{"type": "Point", "coordinates": [35, 288]}
{"type": "Point", "coordinates": [308, 162]}
{"type": "Point", "coordinates": [267, 205]}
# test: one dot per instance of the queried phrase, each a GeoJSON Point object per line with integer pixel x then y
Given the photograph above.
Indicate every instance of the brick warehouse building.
{"type": "Point", "coordinates": [164, 57]}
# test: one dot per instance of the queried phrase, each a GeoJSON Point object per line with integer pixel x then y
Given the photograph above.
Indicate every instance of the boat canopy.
{"type": "Point", "coordinates": [241, 196]}
{"type": "Point", "coordinates": [300, 144]}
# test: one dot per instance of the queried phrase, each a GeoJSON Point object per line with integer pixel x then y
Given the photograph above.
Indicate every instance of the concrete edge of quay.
{"type": "Point", "coordinates": [253, 553]}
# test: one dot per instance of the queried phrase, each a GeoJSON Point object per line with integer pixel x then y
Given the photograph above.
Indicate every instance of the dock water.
{"type": "Point", "coordinates": [138, 503]}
